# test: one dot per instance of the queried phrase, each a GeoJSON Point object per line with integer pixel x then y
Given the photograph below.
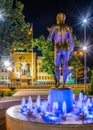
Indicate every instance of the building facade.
{"type": "Point", "coordinates": [42, 76]}
{"type": "Point", "coordinates": [26, 69]}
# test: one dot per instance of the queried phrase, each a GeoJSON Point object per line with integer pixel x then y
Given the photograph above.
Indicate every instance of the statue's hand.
{"type": "Point", "coordinates": [71, 54]}
{"type": "Point", "coordinates": [48, 29]}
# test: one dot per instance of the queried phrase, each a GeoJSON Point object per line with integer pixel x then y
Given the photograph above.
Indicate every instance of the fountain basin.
{"type": "Point", "coordinates": [15, 120]}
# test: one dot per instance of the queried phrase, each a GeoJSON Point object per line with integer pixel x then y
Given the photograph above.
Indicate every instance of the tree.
{"type": "Point", "coordinates": [13, 28]}
{"type": "Point", "coordinates": [47, 49]}
{"type": "Point", "coordinates": [91, 83]}
{"type": "Point", "coordinates": [78, 68]}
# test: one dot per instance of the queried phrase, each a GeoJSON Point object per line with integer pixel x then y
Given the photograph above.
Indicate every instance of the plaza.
{"type": "Point", "coordinates": [45, 82]}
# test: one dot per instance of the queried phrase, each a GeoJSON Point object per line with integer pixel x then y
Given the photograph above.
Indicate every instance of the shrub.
{"type": "Point", "coordinates": [1, 93]}
{"type": "Point", "coordinates": [12, 88]}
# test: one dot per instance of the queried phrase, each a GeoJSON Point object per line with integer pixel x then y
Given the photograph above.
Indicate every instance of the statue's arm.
{"type": "Point", "coordinates": [51, 33]}
{"type": "Point", "coordinates": [71, 40]}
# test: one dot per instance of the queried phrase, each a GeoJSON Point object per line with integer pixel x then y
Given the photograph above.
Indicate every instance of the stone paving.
{"type": "Point", "coordinates": [29, 92]}
{"type": "Point", "coordinates": [6, 102]}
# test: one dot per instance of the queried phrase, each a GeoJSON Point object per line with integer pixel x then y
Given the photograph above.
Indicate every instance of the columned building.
{"type": "Point", "coordinates": [26, 69]}
{"type": "Point", "coordinates": [42, 76]}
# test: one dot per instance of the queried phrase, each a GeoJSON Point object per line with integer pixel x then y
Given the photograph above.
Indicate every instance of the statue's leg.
{"type": "Point", "coordinates": [57, 69]}
{"type": "Point", "coordinates": [57, 73]}
{"type": "Point", "coordinates": [65, 67]}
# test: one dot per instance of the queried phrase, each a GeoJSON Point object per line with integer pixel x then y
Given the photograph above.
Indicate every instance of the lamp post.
{"type": "Point", "coordinates": [2, 35]}
{"type": "Point", "coordinates": [85, 48]}
{"type": "Point", "coordinates": [85, 67]}
{"type": "Point", "coordinates": [7, 66]}
{"type": "Point", "coordinates": [20, 70]}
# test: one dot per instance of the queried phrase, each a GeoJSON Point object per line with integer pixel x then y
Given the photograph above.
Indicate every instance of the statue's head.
{"type": "Point", "coordinates": [60, 18]}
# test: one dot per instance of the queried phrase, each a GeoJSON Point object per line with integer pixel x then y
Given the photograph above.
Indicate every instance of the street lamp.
{"type": "Point", "coordinates": [85, 48]}
{"type": "Point", "coordinates": [7, 65]}
{"type": "Point", "coordinates": [20, 70]}
{"type": "Point", "coordinates": [2, 32]}
{"type": "Point", "coordinates": [85, 67]}
{"type": "Point", "coordinates": [85, 20]}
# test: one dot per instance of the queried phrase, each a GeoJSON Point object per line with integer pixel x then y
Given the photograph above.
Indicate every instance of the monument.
{"type": "Point", "coordinates": [61, 35]}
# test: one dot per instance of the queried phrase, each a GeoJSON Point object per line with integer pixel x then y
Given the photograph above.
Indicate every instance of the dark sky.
{"type": "Point", "coordinates": [43, 14]}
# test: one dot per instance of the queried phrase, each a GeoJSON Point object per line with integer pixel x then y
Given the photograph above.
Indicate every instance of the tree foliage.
{"type": "Point", "coordinates": [47, 49]}
{"type": "Point", "coordinates": [91, 83]}
{"type": "Point", "coordinates": [78, 68]}
{"type": "Point", "coordinates": [13, 28]}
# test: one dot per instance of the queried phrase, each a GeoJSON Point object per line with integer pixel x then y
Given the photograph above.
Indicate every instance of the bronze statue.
{"type": "Point", "coordinates": [61, 35]}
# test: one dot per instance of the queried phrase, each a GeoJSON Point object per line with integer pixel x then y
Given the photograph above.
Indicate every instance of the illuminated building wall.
{"type": "Point", "coordinates": [26, 69]}
{"type": "Point", "coordinates": [42, 76]}
{"type": "Point", "coordinates": [4, 77]}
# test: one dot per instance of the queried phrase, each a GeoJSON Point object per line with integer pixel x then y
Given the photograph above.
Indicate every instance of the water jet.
{"type": "Point", "coordinates": [52, 113]}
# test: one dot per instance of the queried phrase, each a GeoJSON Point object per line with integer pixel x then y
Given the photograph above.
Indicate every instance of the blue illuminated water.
{"type": "Point", "coordinates": [61, 96]}
{"type": "Point", "coordinates": [59, 106]}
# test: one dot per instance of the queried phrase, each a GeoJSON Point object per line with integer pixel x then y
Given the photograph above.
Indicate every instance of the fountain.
{"type": "Point", "coordinates": [52, 113]}
{"type": "Point", "coordinates": [61, 111]}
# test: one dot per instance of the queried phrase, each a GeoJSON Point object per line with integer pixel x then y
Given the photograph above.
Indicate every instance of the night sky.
{"type": "Point", "coordinates": [43, 14]}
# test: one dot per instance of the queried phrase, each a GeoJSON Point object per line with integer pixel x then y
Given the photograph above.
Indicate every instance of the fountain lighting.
{"type": "Point", "coordinates": [82, 109]}
{"type": "Point", "coordinates": [46, 114]}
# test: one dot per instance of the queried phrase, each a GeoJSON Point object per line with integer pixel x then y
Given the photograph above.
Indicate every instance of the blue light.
{"type": "Point", "coordinates": [60, 96]}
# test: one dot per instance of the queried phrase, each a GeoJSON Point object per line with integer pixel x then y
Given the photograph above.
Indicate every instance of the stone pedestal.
{"type": "Point", "coordinates": [60, 96]}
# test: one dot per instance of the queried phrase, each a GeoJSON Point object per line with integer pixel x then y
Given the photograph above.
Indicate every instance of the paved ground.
{"type": "Point", "coordinates": [27, 92]}
{"type": "Point", "coordinates": [33, 93]}
{"type": "Point", "coordinates": [23, 93]}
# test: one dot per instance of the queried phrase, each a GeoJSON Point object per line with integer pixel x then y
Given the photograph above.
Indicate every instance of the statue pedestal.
{"type": "Point", "coordinates": [60, 96]}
